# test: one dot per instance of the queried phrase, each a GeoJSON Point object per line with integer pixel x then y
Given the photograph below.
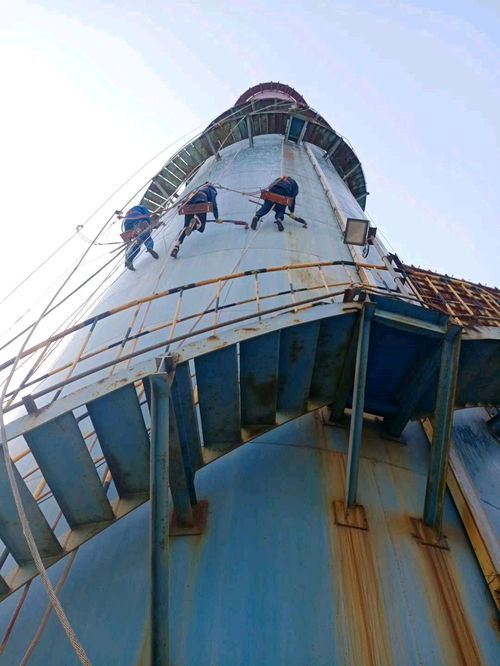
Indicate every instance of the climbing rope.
{"type": "Point", "coordinates": [9, 465]}
{"type": "Point", "coordinates": [50, 307]}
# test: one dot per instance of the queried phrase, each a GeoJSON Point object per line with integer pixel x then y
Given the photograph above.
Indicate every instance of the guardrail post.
{"type": "Point", "coordinates": [443, 416]}
{"type": "Point", "coordinates": [358, 404]}
{"type": "Point", "coordinates": [159, 520]}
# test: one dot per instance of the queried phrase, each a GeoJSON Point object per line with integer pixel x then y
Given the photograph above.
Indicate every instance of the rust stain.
{"type": "Point", "coordinates": [368, 637]}
{"type": "Point", "coordinates": [444, 595]}
{"type": "Point", "coordinates": [295, 352]}
{"type": "Point", "coordinates": [442, 592]}
{"type": "Point", "coordinates": [200, 515]}
{"type": "Point", "coordinates": [265, 392]}
{"type": "Point", "coordinates": [361, 612]}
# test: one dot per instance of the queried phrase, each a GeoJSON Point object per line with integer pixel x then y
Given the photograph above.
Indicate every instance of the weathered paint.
{"type": "Point", "coordinates": [270, 550]}
{"type": "Point", "coordinates": [273, 578]}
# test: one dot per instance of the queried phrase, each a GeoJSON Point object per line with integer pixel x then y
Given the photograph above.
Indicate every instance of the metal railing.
{"type": "Point", "coordinates": [35, 356]}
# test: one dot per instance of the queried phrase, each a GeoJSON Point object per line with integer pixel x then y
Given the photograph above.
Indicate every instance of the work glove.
{"type": "Point", "coordinates": [293, 216]}
{"type": "Point", "coordinates": [218, 220]}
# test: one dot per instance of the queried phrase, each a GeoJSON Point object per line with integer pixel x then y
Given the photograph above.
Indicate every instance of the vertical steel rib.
{"type": "Point", "coordinates": [159, 521]}
{"type": "Point", "coordinates": [443, 416]}
{"type": "Point", "coordinates": [358, 403]}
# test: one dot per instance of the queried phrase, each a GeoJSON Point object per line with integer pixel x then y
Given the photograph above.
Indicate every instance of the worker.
{"type": "Point", "coordinates": [204, 194]}
{"type": "Point", "coordinates": [138, 218]}
{"type": "Point", "coordinates": [285, 187]}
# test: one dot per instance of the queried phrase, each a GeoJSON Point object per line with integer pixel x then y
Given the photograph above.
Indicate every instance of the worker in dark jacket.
{"type": "Point", "coordinates": [204, 194]}
{"type": "Point", "coordinates": [138, 218]}
{"type": "Point", "coordinates": [286, 187]}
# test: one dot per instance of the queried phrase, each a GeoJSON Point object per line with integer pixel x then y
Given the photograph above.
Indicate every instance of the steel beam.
{"type": "Point", "coordinates": [474, 518]}
{"type": "Point", "coordinates": [415, 382]}
{"type": "Point", "coordinates": [351, 171]}
{"type": "Point", "coordinates": [214, 150]}
{"type": "Point", "coordinates": [303, 131]}
{"type": "Point", "coordinates": [358, 403]}
{"type": "Point", "coordinates": [180, 475]}
{"type": "Point", "coordinates": [333, 148]}
{"type": "Point", "coordinates": [157, 183]}
{"type": "Point", "coordinates": [443, 415]}
{"type": "Point", "coordinates": [159, 520]}
{"type": "Point", "coordinates": [248, 120]}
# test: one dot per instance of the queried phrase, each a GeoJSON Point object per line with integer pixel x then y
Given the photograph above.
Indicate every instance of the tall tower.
{"type": "Point", "coordinates": [277, 393]}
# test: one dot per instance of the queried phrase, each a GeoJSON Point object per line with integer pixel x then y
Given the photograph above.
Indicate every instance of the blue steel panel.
{"type": "Point", "coordinates": [183, 402]}
{"type": "Point", "coordinates": [259, 379]}
{"type": "Point", "coordinates": [296, 363]}
{"type": "Point", "coordinates": [441, 423]}
{"type": "Point", "coordinates": [219, 398]}
{"type": "Point", "coordinates": [266, 508]}
{"type": "Point", "coordinates": [479, 373]}
{"type": "Point", "coordinates": [120, 428]}
{"type": "Point", "coordinates": [480, 453]}
{"type": "Point", "coordinates": [60, 451]}
{"type": "Point", "coordinates": [392, 353]}
{"type": "Point", "coordinates": [181, 477]}
{"type": "Point", "coordinates": [296, 125]}
{"type": "Point", "coordinates": [11, 531]}
{"type": "Point", "coordinates": [105, 596]}
{"type": "Point", "coordinates": [334, 339]}
{"type": "Point", "coordinates": [358, 404]}
{"type": "Point", "coordinates": [407, 309]}
{"type": "Point", "coordinates": [159, 521]}
{"type": "Point", "coordinates": [268, 503]}
{"type": "Point", "coordinates": [253, 571]}
{"type": "Point", "coordinates": [421, 371]}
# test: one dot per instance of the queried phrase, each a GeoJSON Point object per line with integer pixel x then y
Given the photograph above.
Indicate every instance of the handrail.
{"type": "Point", "coordinates": [178, 338]}
{"type": "Point", "coordinates": [175, 290]}
{"type": "Point", "coordinates": [257, 298]}
{"type": "Point", "coordinates": [177, 320]}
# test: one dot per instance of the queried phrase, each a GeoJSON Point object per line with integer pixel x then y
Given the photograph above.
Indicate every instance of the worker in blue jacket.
{"type": "Point", "coordinates": [286, 187]}
{"type": "Point", "coordinates": [138, 218]}
{"type": "Point", "coordinates": [196, 221]}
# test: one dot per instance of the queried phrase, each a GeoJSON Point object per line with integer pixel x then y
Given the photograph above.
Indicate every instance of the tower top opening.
{"type": "Point", "coordinates": [271, 90]}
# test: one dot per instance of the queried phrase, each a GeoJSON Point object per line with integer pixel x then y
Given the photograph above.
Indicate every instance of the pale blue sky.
{"type": "Point", "coordinates": [93, 89]}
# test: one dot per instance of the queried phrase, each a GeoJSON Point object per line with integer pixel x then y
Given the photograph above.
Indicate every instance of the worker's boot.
{"type": "Point", "coordinates": [254, 222]}
{"type": "Point", "coordinates": [194, 224]}
{"type": "Point", "coordinates": [129, 264]}
{"type": "Point", "coordinates": [175, 250]}
{"type": "Point", "coordinates": [154, 254]}
{"type": "Point", "coordinates": [279, 224]}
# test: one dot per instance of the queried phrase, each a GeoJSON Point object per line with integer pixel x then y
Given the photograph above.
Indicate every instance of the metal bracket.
{"type": "Point", "coordinates": [428, 536]}
{"type": "Point", "coordinates": [354, 516]}
{"type": "Point", "coordinates": [200, 518]}
{"type": "Point", "coordinates": [30, 404]}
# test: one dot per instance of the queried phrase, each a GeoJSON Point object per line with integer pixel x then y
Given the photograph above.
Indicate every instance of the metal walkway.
{"type": "Point", "coordinates": [384, 357]}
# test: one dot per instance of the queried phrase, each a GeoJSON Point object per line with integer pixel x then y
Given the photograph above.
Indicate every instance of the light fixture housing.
{"type": "Point", "coordinates": [356, 231]}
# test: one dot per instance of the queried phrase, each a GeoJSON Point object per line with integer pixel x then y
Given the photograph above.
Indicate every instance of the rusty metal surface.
{"type": "Point", "coordinates": [469, 303]}
{"type": "Point", "coordinates": [273, 580]}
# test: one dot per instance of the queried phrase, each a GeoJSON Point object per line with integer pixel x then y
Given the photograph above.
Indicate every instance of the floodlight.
{"type": "Point", "coordinates": [356, 231]}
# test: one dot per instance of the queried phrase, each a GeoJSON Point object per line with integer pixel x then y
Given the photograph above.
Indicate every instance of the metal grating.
{"type": "Point", "coordinates": [469, 303]}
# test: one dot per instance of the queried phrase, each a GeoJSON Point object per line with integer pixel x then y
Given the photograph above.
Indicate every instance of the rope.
{"type": "Point", "coordinates": [80, 652]}
{"type": "Point", "coordinates": [51, 592]}
{"type": "Point", "coordinates": [36, 555]}
{"type": "Point", "coordinates": [59, 303]}
{"type": "Point", "coordinates": [12, 291]}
